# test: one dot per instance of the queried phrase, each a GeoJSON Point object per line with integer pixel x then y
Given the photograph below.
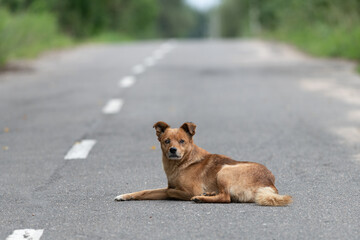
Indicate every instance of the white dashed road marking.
{"type": "Point", "coordinates": [113, 106]}
{"type": "Point", "coordinates": [149, 61]}
{"type": "Point", "coordinates": [26, 234]}
{"type": "Point", "coordinates": [80, 150]}
{"type": "Point", "coordinates": [162, 50]}
{"type": "Point", "coordinates": [158, 54]}
{"type": "Point", "coordinates": [138, 69]}
{"type": "Point", "coordinates": [167, 47]}
{"type": "Point", "coordinates": [127, 81]}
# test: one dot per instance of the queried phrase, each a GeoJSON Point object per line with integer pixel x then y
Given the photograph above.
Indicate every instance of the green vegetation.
{"type": "Point", "coordinates": [171, 14]}
{"type": "Point", "coordinates": [25, 35]}
{"type": "Point", "coordinates": [28, 27]}
{"type": "Point", "coordinates": [111, 37]}
{"type": "Point", "coordinates": [321, 27]}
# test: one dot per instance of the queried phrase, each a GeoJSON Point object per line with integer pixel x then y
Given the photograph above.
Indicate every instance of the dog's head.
{"type": "Point", "coordinates": [175, 142]}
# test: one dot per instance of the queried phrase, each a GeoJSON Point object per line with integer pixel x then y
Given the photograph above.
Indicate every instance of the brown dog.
{"type": "Point", "coordinates": [195, 174]}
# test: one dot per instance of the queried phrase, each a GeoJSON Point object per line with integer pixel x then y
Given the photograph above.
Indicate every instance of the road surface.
{"type": "Point", "coordinates": [76, 131]}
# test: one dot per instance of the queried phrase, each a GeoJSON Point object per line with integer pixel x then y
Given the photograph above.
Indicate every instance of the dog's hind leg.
{"type": "Point", "coordinates": [222, 197]}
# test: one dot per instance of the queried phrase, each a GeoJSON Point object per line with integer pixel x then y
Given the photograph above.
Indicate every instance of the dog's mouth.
{"type": "Point", "coordinates": [174, 156]}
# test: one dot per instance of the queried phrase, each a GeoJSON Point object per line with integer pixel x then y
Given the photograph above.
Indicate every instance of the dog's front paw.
{"type": "Point", "coordinates": [123, 197]}
{"type": "Point", "coordinates": [196, 199]}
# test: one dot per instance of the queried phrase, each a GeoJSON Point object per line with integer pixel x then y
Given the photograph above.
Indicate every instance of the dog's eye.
{"type": "Point", "coordinates": [181, 141]}
{"type": "Point", "coordinates": [167, 141]}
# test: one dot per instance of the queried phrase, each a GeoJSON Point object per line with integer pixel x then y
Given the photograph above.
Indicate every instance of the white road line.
{"type": "Point", "coordinates": [113, 106]}
{"type": "Point", "coordinates": [80, 150]}
{"type": "Point", "coordinates": [162, 50]}
{"type": "Point", "coordinates": [27, 234]}
{"type": "Point", "coordinates": [127, 81]}
{"type": "Point", "coordinates": [167, 46]}
{"type": "Point", "coordinates": [158, 54]}
{"type": "Point", "coordinates": [150, 61]}
{"type": "Point", "coordinates": [138, 69]}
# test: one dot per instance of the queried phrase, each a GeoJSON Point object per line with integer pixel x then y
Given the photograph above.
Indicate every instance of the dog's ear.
{"type": "Point", "coordinates": [160, 128]}
{"type": "Point", "coordinates": [189, 128]}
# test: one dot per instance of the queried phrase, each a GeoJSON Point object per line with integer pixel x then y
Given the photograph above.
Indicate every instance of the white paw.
{"type": "Point", "coordinates": [120, 198]}
{"type": "Point", "coordinates": [124, 197]}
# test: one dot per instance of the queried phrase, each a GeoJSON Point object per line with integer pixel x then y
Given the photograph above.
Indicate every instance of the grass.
{"type": "Point", "coordinates": [327, 42]}
{"type": "Point", "coordinates": [26, 35]}
{"type": "Point", "coordinates": [111, 37]}
{"type": "Point", "coordinates": [323, 40]}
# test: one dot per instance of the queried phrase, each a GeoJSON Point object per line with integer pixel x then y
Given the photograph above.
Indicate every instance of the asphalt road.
{"type": "Point", "coordinates": [251, 100]}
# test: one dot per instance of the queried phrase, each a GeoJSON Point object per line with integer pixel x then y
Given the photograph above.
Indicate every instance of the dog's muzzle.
{"type": "Point", "coordinates": [172, 154]}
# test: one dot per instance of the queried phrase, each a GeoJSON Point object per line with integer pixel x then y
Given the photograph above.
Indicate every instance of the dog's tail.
{"type": "Point", "coordinates": [267, 196]}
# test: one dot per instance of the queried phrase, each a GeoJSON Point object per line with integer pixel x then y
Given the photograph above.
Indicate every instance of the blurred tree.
{"type": "Point", "coordinates": [322, 27]}
{"type": "Point", "coordinates": [83, 18]}
{"type": "Point", "coordinates": [15, 5]}
{"type": "Point", "coordinates": [233, 14]}
{"type": "Point", "coordinates": [28, 27]}
{"type": "Point", "coordinates": [240, 17]}
{"type": "Point", "coordinates": [201, 27]}
{"type": "Point", "coordinates": [140, 18]}
{"type": "Point", "coordinates": [136, 18]}
{"type": "Point", "coordinates": [80, 19]}
{"type": "Point", "coordinates": [175, 19]}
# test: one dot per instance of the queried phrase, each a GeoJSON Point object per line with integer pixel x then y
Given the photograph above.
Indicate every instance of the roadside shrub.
{"type": "Point", "coordinates": [27, 34]}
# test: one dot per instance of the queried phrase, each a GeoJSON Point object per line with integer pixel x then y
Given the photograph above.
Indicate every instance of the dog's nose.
{"type": "Point", "coordinates": [173, 150]}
